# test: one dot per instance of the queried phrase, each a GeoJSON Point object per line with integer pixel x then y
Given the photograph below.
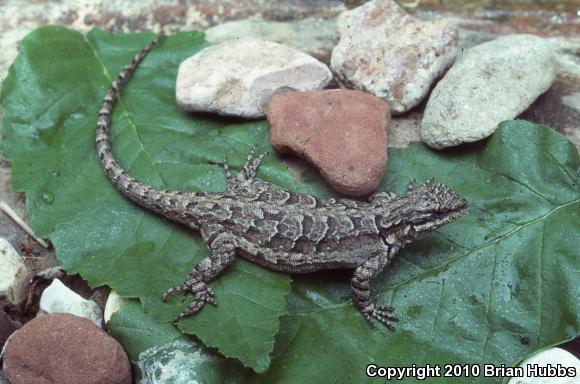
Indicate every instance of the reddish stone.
{"type": "Point", "coordinates": [343, 133]}
{"type": "Point", "coordinates": [65, 349]}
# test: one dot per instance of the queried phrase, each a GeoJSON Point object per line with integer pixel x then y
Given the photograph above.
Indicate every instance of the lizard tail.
{"type": "Point", "coordinates": [129, 186]}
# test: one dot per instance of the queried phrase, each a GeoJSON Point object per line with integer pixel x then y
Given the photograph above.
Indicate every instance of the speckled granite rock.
{"type": "Point", "coordinates": [488, 84]}
{"type": "Point", "coordinates": [239, 77]}
{"type": "Point", "coordinates": [385, 51]}
{"type": "Point", "coordinates": [65, 349]}
{"type": "Point", "coordinates": [342, 133]}
{"type": "Point", "coordinates": [312, 35]}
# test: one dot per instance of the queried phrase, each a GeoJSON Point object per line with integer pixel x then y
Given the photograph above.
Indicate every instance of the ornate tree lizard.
{"type": "Point", "coordinates": [281, 230]}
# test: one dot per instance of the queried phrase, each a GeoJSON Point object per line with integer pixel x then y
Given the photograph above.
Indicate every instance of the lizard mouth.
{"type": "Point", "coordinates": [438, 219]}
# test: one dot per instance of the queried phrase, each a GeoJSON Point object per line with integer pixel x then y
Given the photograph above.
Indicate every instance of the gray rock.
{"type": "Point", "coordinates": [488, 84]}
{"type": "Point", "coordinates": [315, 36]}
{"type": "Point", "coordinates": [239, 77]}
{"type": "Point", "coordinates": [390, 54]}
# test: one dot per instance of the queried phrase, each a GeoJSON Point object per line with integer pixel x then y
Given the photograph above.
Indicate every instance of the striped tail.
{"type": "Point", "coordinates": [129, 186]}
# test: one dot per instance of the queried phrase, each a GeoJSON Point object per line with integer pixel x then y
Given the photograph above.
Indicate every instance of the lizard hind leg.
{"type": "Point", "coordinates": [250, 168]}
{"type": "Point", "coordinates": [367, 301]}
{"type": "Point", "coordinates": [222, 254]}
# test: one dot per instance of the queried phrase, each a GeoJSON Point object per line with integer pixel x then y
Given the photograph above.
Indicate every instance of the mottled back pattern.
{"type": "Point", "coordinates": [281, 230]}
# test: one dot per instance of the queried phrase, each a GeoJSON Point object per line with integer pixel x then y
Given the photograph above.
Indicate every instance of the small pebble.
{"type": "Point", "coordinates": [489, 83]}
{"type": "Point", "coordinates": [65, 349]}
{"type": "Point", "coordinates": [387, 52]}
{"type": "Point", "coordinates": [14, 275]}
{"type": "Point", "coordinates": [113, 304]}
{"type": "Point", "coordinates": [239, 77]}
{"type": "Point", "coordinates": [342, 133]}
{"type": "Point", "coordinates": [58, 298]}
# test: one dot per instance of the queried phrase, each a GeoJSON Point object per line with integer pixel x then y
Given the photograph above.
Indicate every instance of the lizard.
{"type": "Point", "coordinates": [282, 230]}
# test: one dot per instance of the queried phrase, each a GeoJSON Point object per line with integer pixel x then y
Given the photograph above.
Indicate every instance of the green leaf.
{"type": "Point", "coordinates": [468, 293]}
{"type": "Point", "coordinates": [51, 98]}
{"type": "Point", "coordinates": [164, 355]}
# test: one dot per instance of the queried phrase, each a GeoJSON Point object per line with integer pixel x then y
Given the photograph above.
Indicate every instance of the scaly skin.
{"type": "Point", "coordinates": [281, 230]}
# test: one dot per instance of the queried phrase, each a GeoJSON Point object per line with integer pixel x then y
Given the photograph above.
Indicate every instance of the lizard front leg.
{"type": "Point", "coordinates": [222, 254]}
{"type": "Point", "coordinates": [365, 300]}
{"type": "Point", "coordinates": [250, 168]}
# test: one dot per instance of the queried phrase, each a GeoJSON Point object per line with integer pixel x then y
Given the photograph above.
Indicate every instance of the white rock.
{"type": "Point", "coordinates": [14, 275]}
{"type": "Point", "coordinates": [554, 358]}
{"type": "Point", "coordinates": [488, 84]}
{"type": "Point", "coordinates": [113, 304]}
{"type": "Point", "coordinates": [385, 51]}
{"type": "Point", "coordinates": [239, 77]}
{"type": "Point", "coordinates": [58, 298]}
{"type": "Point", "coordinates": [181, 361]}
{"type": "Point", "coordinates": [312, 35]}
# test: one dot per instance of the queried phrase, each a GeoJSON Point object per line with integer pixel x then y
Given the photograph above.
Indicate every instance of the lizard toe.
{"type": "Point", "coordinates": [382, 314]}
{"type": "Point", "coordinates": [171, 291]}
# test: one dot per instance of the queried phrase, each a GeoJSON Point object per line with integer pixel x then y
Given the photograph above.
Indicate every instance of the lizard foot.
{"type": "Point", "coordinates": [381, 313]}
{"type": "Point", "coordinates": [202, 294]}
{"type": "Point", "coordinates": [250, 168]}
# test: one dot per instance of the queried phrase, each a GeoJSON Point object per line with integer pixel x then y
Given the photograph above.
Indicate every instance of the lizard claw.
{"type": "Point", "coordinates": [203, 294]}
{"type": "Point", "coordinates": [250, 168]}
{"type": "Point", "coordinates": [178, 288]}
{"type": "Point", "coordinates": [380, 313]}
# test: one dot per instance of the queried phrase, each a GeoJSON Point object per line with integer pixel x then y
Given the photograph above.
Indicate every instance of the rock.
{"type": "Point", "coordinates": [559, 107]}
{"type": "Point", "coordinates": [14, 275]}
{"type": "Point", "coordinates": [58, 298]}
{"type": "Point", "coordinates": [182, 361]}
{"type": "Point", "coordinates": [65, 349]}
{"type": "Point", "coordinates": [312, 35]}
{"type": "Point", "coordinates": [114, 303]}
{"type": "Point", "coordinates": [488, 84]}
{"type": "Point", "coordinates": [385, 51]}
{"type": "Point", "coordinates": [550, 359]}
{"type": "Point", "coordinates": [239, 77]}
{"type": "Point", "coordinates": [7, 327]}
{"type": "Point", "coordinates": [342, 133]}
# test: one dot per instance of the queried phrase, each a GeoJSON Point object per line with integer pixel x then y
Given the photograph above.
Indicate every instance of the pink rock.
{"type": "Point", "coordinates": [387, 52]}
{"type": "Point", "coordinates": [65, 349]}
{"type": "Point", "coordinates": [342, 133]}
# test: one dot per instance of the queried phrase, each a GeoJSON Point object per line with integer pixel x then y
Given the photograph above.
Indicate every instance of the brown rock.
{"type": "Point", "coordinates": [342, 133]}
{"type": "Point", "coordinates": [65, 349]}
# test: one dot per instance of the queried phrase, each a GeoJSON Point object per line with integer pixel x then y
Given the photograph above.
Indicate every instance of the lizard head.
{"type": "Point", "coordinates": [423, 209]}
